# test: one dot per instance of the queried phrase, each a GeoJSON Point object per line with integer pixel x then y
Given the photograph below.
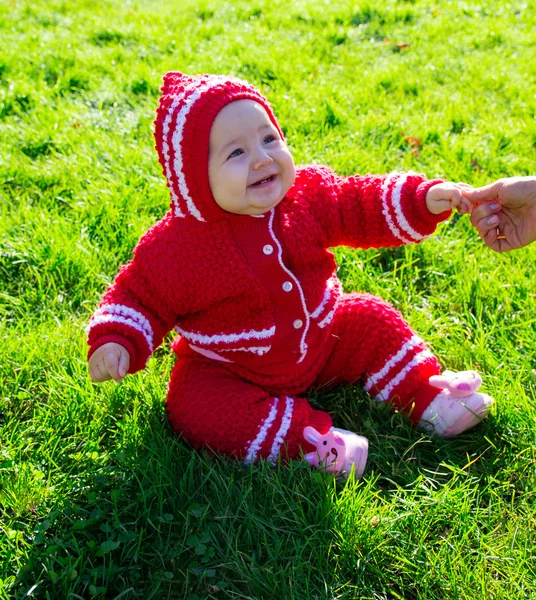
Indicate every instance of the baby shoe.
{"type": "Point", "coordinates": [458, 407]}
{"type": "Point", "coordinates": [337, 451]}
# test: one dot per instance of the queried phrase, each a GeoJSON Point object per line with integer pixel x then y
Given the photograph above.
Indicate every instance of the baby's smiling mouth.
{"type": "Point", "coordinates": [263, 181]}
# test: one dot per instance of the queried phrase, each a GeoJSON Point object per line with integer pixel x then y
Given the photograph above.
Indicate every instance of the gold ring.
{"type": "Point", "coordinates": [500, 236]}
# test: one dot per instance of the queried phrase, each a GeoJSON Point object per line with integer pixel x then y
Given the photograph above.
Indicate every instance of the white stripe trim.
{"type": "Point", "coordinates": [255, 446]}
{"type": "Point", "coordinates": [418, 358]}
{"type": "Point", "coordinates": [327, 319]}
{"type": "Point", "coordinates": [177, 138]}
{"type": "Point", "coordinates": [303, 345]}
{"type": "Point", "coordinates": [283, 430]}
{"type": "Point", "coordinates": [124, 321]}
{"type": "Point", "coordinates": [119, 313]}
{"type": "Point", "coordinates": [331, 285]}
{"type": "Point", "coordinates": [406, 347]}
{"type": "Point", "coordinates": [385, 210]}
{"type": "Point", "coordinates": [165, 151]}
{"type": "Point", "coordinates": [260, 350]}
{"type": "Point", "coordinates": [225, 338]}
{"type": "Point", "coordinates": [396, 199]}
{"type": "Point", "coordinates": [320, 307]}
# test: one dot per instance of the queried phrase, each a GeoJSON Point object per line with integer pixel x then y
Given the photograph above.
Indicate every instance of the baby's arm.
{"type": "Point", "coordinates": [369, 211]}
{"type": "Point", "coordinates": [138, 309]}
{"type": "Point", "coordinates": [109, 361]}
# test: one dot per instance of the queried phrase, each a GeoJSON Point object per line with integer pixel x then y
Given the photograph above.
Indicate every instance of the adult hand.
{"type": "Point", "coordinates": [507, 219]}
{"type": "Point", "coordinates": [110, 361]}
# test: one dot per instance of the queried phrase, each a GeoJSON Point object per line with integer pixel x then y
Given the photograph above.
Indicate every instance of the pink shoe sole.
{"type": "Point", "coordinates": [477, 409]}
{"type": "Point", "coordinates": [360, 461]}
{"type": "Point", "coordinates": [337, 451]}
{"type": "Point", "coordinates": [357, 454]}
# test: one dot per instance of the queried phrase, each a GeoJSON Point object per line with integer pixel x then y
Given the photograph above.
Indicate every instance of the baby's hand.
{"type": "Point", "coordinates": [444, 196]}
{"type": "Point", "coordinates": [110, 361]}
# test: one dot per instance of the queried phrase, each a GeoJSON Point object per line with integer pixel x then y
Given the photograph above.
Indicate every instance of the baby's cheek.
{"type": "Point", "coordinates": [289, 174]}
{"type": "Point", "coordinates": [236, 176]}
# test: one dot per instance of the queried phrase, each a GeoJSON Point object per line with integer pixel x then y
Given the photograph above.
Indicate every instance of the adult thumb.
{"type": "Point", "coordinates": [483, 194]}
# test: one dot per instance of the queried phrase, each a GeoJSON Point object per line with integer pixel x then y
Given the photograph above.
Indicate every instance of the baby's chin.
{"type": "Point", "coordinates": [262, 210]}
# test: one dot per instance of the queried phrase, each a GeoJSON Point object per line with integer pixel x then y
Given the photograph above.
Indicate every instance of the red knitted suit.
{"type": "Point", "coordinates": [255, 299]}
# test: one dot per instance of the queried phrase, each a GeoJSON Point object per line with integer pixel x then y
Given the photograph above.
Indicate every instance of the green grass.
{"type": "Point", "coordinates": [98, 497]}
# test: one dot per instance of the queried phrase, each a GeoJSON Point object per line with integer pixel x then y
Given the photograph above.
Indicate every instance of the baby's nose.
{"type": "Point", "coordinates": [262, 159]}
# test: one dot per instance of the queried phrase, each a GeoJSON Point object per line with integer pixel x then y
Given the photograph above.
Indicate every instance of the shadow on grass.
{"type": "Point", "coordinates": [153, 519]}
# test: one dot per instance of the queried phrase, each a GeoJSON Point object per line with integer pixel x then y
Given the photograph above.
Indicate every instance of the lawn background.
{"type": "Point", "coordinates": [98, 498]}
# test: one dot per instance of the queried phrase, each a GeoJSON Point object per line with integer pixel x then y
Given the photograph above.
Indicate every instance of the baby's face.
{"type": "Point", "coordinates": [250, 168]}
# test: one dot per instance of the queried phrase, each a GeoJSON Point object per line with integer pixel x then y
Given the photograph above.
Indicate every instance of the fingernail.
{"type": "Point", "coordinates": [493, 220]}
{"type": "Point", "coordinates": [494, 205]}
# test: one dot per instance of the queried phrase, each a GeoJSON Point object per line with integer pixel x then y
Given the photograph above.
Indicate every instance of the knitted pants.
{"type": "Point", "coordinates": [213, 407]}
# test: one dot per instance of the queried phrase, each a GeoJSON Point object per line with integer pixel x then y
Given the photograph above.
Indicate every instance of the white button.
{"type": "Point", "coordinates": [298, 324]}
{"type": "Point", "coordinates": [268, 249]}
{"type": "Point", "coordinates": [287, 286]}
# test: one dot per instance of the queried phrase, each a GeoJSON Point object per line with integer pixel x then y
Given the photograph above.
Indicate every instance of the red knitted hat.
{"type": "Point", "coordinates": [186, 111]}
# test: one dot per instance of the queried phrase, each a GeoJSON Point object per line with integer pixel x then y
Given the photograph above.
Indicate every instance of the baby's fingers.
{"type": "Point", "coordinates": [98, 372]}
{"type": "Point", "coordinates": [124, 364]}
{"type": "Point", "coordinates": [111, 363]}
{"type": "Point", "coordinates": [465, 206]}
{"type": "Point", "coordinates": [459, 201]}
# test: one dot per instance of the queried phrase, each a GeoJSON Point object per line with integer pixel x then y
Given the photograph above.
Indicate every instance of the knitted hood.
{"type": "Point", "coordinates": [186, 111]}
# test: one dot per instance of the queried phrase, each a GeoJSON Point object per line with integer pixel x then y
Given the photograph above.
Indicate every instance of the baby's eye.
{"type": "Point", "coordinates": [236, 152]}
{"type": "Point", "coordinates": [269, 138]}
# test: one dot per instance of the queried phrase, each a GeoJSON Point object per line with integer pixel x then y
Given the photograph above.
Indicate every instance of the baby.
{"type": "Point", "coordinates": [240, 266]}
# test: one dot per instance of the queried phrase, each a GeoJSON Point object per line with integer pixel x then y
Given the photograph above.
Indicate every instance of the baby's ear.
{"type": "Point", "coordinates": [311, 435]}
{"type": "Point", "coordinates": [439, 381]}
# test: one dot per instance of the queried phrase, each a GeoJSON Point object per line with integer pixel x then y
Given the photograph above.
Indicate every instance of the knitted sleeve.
{"type": "Point", "coordinates": [139, 308]}
{"type": "Point", "coordinates": [369, 211]}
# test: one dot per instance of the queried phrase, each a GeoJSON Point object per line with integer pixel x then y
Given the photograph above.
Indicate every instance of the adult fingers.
{"type": "Point", "coordinates": [487, 225]}
{"type": "Point", "coordinates": [483, 211]}
{"type": "Point", "coordinates": [464, 186]}
{"type": "Point", "coordinates": [485, 193]}
{"type": "Point", "coordinates": [489, 238]}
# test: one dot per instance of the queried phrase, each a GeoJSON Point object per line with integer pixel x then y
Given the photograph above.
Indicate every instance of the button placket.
{"type": "Point", "coordinates": [288, 303]}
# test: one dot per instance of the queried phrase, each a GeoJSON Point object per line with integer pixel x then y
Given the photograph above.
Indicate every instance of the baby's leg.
{"type": "Point", "coordinates": [211, 407]}
{"type": "Point", "coordinates": [376, 345]}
